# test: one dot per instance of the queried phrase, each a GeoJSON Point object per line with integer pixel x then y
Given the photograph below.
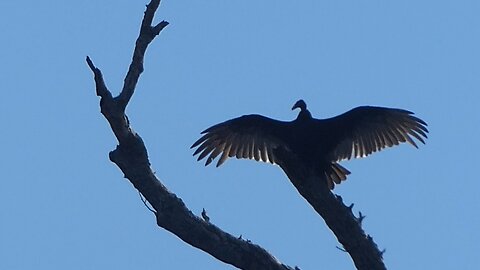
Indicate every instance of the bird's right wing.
{"type": "Point", "coordinates": [248, 136]}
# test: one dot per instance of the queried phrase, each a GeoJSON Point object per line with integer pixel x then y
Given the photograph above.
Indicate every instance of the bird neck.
{"type": "Point", "coordinates": [304, 115]}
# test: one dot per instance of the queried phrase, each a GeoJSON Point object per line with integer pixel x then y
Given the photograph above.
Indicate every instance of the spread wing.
{"type": "Point", "coordinates": [364, 130]}
{"type": "Point", "coordinates": [248, 136]}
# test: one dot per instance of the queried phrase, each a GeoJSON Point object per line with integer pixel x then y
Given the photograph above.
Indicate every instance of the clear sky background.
{"type": "Point", "coordinates": [64, 205]}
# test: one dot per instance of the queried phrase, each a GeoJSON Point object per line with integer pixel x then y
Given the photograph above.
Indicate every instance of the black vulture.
{"type": "Point", "coordinates": [321, 143]}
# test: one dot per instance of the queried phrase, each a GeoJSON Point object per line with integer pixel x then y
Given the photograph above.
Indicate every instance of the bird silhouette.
{"type": "Point", "coordinates": [320, 143]}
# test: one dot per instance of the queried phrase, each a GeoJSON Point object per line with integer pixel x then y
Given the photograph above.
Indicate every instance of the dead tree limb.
{"type": "Point", "coordinates": [338, 217]}
{"type": "Point", "coordinates": [132, 158]}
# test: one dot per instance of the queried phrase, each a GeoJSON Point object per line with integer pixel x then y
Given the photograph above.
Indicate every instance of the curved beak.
{"type": "Point", "coordinates": [296, 105]}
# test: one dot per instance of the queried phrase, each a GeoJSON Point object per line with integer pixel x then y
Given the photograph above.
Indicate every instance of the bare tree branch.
{"type": "Point", "coordinates": [147, 34]}
{"type": "Point", "coordinates": [132, 158]}
{"type": "Point", "coordinates": [338, 217]}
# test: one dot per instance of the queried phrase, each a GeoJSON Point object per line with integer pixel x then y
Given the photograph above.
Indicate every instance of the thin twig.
{"type": "Point", "coordinates": [145, 203]}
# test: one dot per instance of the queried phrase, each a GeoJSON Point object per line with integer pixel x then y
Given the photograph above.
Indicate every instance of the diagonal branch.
{"type": "Point", "coordinates": [338, 217]}
{"type": "Point", "coordinates": [146, 36]}
{"type": "Point", "coordinates": [132, 158]}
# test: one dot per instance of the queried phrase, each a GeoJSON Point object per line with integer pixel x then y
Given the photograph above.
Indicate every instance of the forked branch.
{"type": "Point", "coordinates": [132, 158]}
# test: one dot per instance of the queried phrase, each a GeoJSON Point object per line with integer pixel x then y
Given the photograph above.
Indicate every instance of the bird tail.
{"type": "Point", "coordinates": [336, 174]}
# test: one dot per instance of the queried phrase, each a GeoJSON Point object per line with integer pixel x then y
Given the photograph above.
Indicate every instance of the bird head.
{"type": "Point", "coordinates": [300, 104]}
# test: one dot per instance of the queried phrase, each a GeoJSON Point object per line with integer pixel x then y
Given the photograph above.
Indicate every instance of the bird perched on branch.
{"type": "Point", "coordinates": [320, 143]}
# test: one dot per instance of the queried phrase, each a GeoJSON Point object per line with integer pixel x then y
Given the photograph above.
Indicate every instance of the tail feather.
{"type": "Point", "coordinates": [336, 174]}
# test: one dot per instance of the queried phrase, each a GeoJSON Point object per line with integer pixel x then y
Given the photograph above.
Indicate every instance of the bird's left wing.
{"type": "Point", "coordinates": [367, 129]}
{"type": "Point", "coordinates": [249, 136]}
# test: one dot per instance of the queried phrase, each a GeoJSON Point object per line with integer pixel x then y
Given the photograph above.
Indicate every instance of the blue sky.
{"type": "Point", "coordinates": [64, 205]}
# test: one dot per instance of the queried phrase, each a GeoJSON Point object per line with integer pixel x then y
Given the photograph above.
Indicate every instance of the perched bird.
{"type": "Point", "coordinates": [321, 143]}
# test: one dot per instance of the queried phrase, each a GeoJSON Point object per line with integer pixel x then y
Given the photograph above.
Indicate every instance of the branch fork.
{"type": "Point", "coordinates": [132, 158]}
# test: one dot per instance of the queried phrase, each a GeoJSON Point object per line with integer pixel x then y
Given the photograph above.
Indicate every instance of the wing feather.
{"type": "Point", "coordinates": [219, 149]}
{"type": "Point", "coordinates": [377, 140]}
{"type": "Point", "coordinates": [271, 156]}
{"type": "Point", "coordinates": [206, 151]}
{"type": "Point", "coordinates": [256, 150]}
{"type": "Point", "coordinates": [263, 152]}
{"type": "Point", "coordinates": [248, 148]}
{"type": "Point", "coordinates": [225, 153]}
{"type": "Point", "coordinates": [240, 150]}
{"type": "Point", "coordinates": [367, 129]}
{"type": "Point", "coordinates": [249, 136]}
